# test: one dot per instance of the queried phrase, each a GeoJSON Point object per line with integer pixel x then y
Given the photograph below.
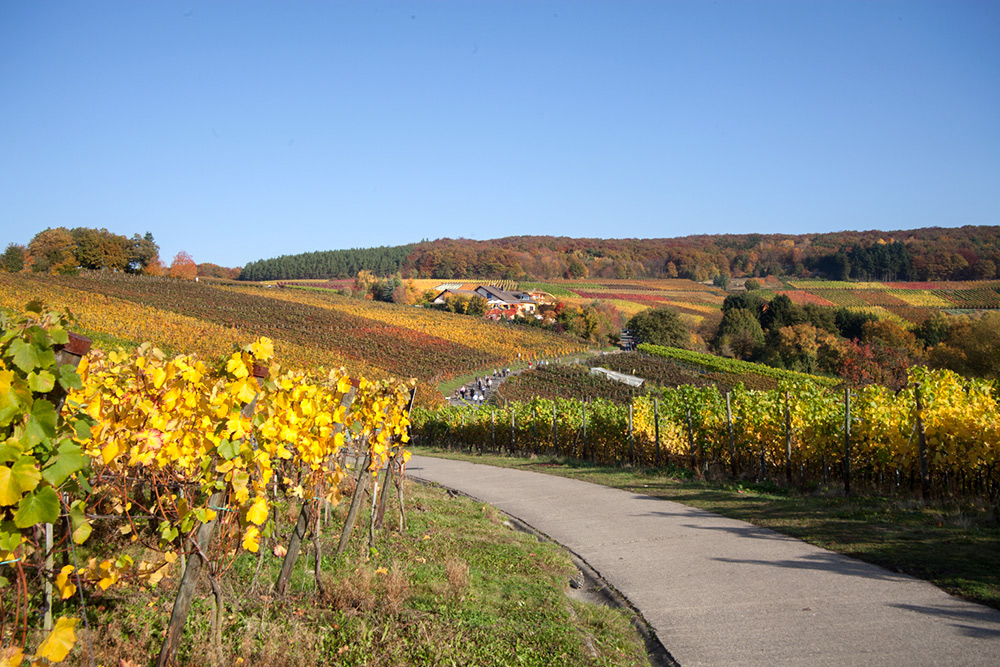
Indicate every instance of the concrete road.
{"type": "Point", "coordinates": [722, 592]}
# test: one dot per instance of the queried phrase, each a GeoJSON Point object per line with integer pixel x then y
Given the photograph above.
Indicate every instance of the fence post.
{"type": "Point", "coordinates": [534, 430]}
{"type": "Point", "coordinates": [847, 441]}
{"type": "Point", "coordinates": [732, 442]}
{"type": "Point", "coordinates": [555, 429]}
{"type": "Point", "coordinates": [788, 441]}
{"type": "Point", "coordinates": [925, 475]}
{"type": "Point", "coordinates": [694, 460]}
{"type": "Point", "coordinates": [512, 430]}
{"type": "Point", "coordinates": [67, 355]}
{"type": "Point", "coordinates": [656, 430]}
{"type": "Point", "coordinates": [583, 448]}
{"type": "Point", "coordinates": [493, 431]}
{"type": "Point", "coordinates": [631, 443]}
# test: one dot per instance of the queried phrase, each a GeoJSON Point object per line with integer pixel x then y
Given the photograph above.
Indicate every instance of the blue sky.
{"type": "Point", "coordinates": [242, 130]}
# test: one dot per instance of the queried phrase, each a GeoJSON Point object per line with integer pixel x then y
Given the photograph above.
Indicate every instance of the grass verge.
{"type": "Point", "coordinates": [457, 586]}
{"type": "Point", "coordinates": [956, 547]}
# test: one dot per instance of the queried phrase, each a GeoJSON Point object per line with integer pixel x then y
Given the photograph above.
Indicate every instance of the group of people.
{"type": "Point", "coordinates": [478, 391]}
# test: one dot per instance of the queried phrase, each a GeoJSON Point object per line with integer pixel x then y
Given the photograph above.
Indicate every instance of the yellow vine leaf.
{"type": "Point", "coordinates": [60, 641]}
{"type": "Point", "coordinates": [65, 586]}
{"type": "Point", "coordinates": [237, 367]}
{"type": "Point", "coordinates": [12, 656]}
{"type": "Point", "coordinates": [251, 541]}
{"type": "Point", "coordinates": [262, 349]}
{"type": "Point", "coordinates": [258, 512]}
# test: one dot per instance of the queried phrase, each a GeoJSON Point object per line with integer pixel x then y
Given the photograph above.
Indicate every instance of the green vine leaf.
{"type": "Point", "coordinates": [41, 506]}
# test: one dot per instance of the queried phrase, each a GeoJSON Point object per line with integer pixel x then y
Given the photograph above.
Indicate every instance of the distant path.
{"type": "Point", "coordinates": [723, 592]}
{"type": "Point", "coordinates": [456, 400]}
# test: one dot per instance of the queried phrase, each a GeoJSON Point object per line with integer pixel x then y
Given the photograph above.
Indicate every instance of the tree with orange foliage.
{"type": "Point", "coordinates": [155, 267]}
{"type": "Point", "coordinates": [183, 267]}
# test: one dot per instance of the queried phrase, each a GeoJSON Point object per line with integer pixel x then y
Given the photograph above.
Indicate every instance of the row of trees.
{"type": "Point", "coordinates": [923, 254]}
{"type": "Point", "coordinates": [382, 261]}
{"type": "Point", "coordinates": [62, 250]}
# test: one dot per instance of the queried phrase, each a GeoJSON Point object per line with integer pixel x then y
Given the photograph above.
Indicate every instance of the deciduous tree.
{"type": "Point", "coordinates": [183, 266]}
{"type": "Point", "coordinates": [660, 326]}
{"type": "Point", "coordinates": [12, 260]}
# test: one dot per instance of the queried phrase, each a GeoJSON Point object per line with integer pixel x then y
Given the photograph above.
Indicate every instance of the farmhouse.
{"type": "Point", "coordinates": [499, 303]}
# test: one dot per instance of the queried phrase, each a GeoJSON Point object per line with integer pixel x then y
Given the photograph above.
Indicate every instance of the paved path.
{"type": "Point", "coordinates": [723, 592]}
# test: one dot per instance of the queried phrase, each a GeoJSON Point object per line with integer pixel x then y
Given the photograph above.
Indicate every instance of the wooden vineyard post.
{"type": "Point", "coordinates": [555, 429]}
{"type": "Point", "coordinates": [512, 430]}
{"type": "Point", "coordinates": [583, 447]}
{"type": "Point", "coordinates": [656, 432]}
{"type": "Point", "coordinates": [788, 442]}
{"type": "Point", "coordinates": [534, 431]}
{"type": "Point", "coordinates": [203, 538]}
{"type": "Point", "coordinates": [387, 480]}
{"type": "Point", "coordinates": [732, 441]}
{"type": "Point", "coordinates": [493, 431]}
{"type": "Point", "coordinates": [389, 472]}
{"type": "Point", "coordinates": [631, 438]}
{"type": "Point", "coordinates": [69, 354]}
{"type": "Point", "coordinates": [294, 545]}
{"type": "Point", "coordinates": [925, 475]}
{"type": "Point", "coordinates": [694, 459]}
{"type": "Point", "coordinates": [763, 462]}
{"type": "Point", "coordinates": [847, 441]}
{"type": "Point", "coordinates": [305, 514]}
{"type": "Point", "coordinates": [352, 513]}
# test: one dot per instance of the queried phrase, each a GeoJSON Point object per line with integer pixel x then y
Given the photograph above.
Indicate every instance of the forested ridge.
{"type": "Point", "coordinates": [933, 253]}
{"type": "Point", "coordinates": [382, 261]}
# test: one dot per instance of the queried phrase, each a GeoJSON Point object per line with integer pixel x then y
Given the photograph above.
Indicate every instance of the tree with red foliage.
{"type": "Point", "coordinates": [183, 267]}
{"type": "Point", "coordinates": [873, 363]}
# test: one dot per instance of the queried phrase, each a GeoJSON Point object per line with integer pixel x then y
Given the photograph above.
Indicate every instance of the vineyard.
{"type": "Point", "coordinates": [668, 372]}
{"type": "Point", "coordinates": [554, 381]}
{"type": "Point", "coordinates": [693, 299]}
{"type": "Point", "coordinates": [907, 303]}
{"type": "Point", "coordinates": [310, 329]}
{"type": "Point", "coordinates": [577, 382]}
{"type": "Point", "coordinates": [185, 458]}
{"type": "Point", "coordinates": [941, 434]}
{"type": "Point", "coordinates": [736, 367]}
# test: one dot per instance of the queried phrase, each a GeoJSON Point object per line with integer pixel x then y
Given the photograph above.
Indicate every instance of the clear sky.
{"type": "Point", "coordinates": [242, 130]}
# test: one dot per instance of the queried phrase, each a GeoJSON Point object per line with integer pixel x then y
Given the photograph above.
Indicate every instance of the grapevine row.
{"type": "Point", "coordinates": [800, 430]}
{"type": "Point", "coordinates": [177, 449]}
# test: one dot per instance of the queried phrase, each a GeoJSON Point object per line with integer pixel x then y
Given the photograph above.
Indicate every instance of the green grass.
{"type": "Point", "coordinates": [955, 547]}
{"type": "Point", "coordinates": [459, 586]}
{"type": "Point", "coordinates": [736, 366]}
{"type": "Point", "coordinates": [554, 290]}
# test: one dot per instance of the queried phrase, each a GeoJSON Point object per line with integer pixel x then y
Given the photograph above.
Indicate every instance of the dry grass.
{"type": "Point", "coordinates": [384, 590]}
{"type": "Point", "coordinates": [458, 576]}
